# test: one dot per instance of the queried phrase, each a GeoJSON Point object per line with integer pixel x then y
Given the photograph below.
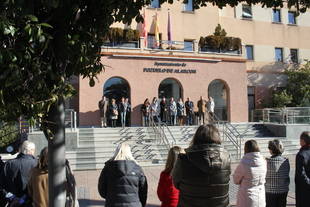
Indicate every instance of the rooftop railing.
{"type": "Point", "coordinates": [167, 45]}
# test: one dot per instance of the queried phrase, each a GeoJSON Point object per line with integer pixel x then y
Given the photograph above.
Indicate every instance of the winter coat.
{"type": "Point", "coordinates": [302, 177]}
{"type": "Point", "coordinates": [103, 108]}
{"type": "Point", "coordinates": [278, 175]}
{"type": "Point", "coordinates": [38, 187]}
{"type": "Point", "coordinates": [123, 183]}
{"type": "Point", "coordinates": [250, 174]}
{"type": "Point", "coordinates": [181, 109]}
{"type": "Point", "coordinates": [16, 174]}
{"type": "Point", "coordinates": [167, 193]}
{"type": "Point", "coordinates": [202, 176]}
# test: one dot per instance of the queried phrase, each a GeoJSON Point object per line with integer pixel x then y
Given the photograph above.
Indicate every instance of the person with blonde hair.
{"type": "Point", "coordinates": [166, 192]}
{"type": "Point", "coordinates": [122, 181]}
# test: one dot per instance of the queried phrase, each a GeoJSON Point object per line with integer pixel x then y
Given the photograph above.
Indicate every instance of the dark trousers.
{"type": "Point", "coordinates": [276, 200]}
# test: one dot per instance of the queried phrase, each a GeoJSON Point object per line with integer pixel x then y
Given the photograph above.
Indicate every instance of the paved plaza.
{"type": "Point", "coordinates": [87, 182]}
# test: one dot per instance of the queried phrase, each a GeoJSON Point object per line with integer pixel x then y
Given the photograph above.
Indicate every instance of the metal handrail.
{"type": "Point", "coordinates": [160, 134]}
{"type": "Point", "coordinates": [164, 126]}
{"type": "Point", "coordinates": [229, 132]}
{"type": "Point", "coordinates": [286, 115]}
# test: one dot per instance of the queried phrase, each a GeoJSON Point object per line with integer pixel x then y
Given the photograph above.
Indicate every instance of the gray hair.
{"type": "Point", "coordinates": [27, 148]}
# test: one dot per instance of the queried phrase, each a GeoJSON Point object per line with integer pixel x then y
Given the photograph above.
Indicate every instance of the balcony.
{"type": "Point", "coordinates": [171, 48]}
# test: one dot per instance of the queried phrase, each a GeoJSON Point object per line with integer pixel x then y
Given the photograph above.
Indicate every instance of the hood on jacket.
{"type": "Point", "coordinates": [123, 167]}
{"type": "Point", "coordinates": [207, 158]}
{"type": "Point", "coordinates": [253, 159]}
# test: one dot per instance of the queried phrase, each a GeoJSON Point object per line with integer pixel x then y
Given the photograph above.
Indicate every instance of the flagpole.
{"type": "Point", "coordinates": [169, 29]}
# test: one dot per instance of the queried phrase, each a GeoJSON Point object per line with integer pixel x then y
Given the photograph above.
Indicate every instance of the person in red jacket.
{"type": "Point", "coordinates": [166, 192]}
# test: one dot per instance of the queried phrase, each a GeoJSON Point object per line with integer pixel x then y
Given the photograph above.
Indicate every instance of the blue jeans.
{"type": "Point", "coordinates": [173, 120]}
{"type": "Point", "coordinates": [146, 120]}
{"type": "Point", "coordinates": [123, 118]}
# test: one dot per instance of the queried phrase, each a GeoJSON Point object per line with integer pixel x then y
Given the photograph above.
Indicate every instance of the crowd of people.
{"type": "Point", "coordinates": [176, 113]}
{"type": "Point", "coordinates": [169, 111]}
{"type": "Point", "coordinates": [199, 176]}
{"type": "Point", "coordinates": [24, 180]}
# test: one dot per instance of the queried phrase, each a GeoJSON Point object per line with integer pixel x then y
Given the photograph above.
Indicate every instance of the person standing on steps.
{"type": "Point", "coordinates": [163, 110]}
{"type": "Point", "coordinates": [189, 109]}
{"type": "Point", "coordinates": [123, 111]}
{"type": "Point", "coordinates": [173, 112]}
{"type": "Point", "coordinates": [181, 112]}
{"type": "Point", "coordinates": [128, 114]}
{"type": "Point", "coordinates": [202, 105]}
{"type": "Point", "coordinates": [113, 111]}
{"type": "Point", "coordinates": [103, 109]}
{"type": "Point", "coordinates": [210, 107]}
{"type": "Point", "coordinates": [145, 110]}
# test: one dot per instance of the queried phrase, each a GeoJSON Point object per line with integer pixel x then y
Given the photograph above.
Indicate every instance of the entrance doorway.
{"type": "Point", "coordinates": [170, 88]}
{"type": "Point", "coordinates": [220, 93]}
{"type": "Point", "coordinates": [116, 88]}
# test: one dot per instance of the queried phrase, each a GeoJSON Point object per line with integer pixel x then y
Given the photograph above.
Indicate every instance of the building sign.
{"type": "Point", "coordinates": [159, 67]}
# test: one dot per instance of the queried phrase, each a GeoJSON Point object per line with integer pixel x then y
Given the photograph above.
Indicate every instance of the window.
{"type": "Point", "coordinates": [291, 17]}
{"type": "Point", "coordinates": [278, 54]}
{"type": "Point", "coordinates": [276, 15]}
{"type": "Point", "coordinates": [294, 55]}
{"type": "Point", "coordinates": [155, 4]}
{"type": "Point", "coordinates": [249, 52]}
{"type": "Point", "coordinates": [189, 6]}
{"type": "Point", "coordinates": [246, 11]}
{"type": "Point", "coordinates": [188, 45]}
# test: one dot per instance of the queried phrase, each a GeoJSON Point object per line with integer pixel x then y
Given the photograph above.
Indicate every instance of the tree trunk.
{"type": "Point", "coordinates": [56, 155]}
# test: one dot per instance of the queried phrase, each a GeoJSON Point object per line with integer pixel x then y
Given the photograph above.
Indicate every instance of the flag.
{"type": "Point", "coordinates": [169, 28]}
{"type": "Point", "coordinates": [156, 31]}
{"type": "Point", "coordinates": [144, 32]}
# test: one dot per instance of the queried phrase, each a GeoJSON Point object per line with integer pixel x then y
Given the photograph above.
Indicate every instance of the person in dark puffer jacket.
{"type": "Point", "coordinates": [122, 182]}
{"type": "Point", "coordinates": [202, 173]}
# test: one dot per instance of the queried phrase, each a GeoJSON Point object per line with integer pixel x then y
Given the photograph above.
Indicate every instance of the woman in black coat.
{"type": "Point", "coordinates": [202, 173]}
{"type": "Point", "coordinates": [302, 173]}
{"type": "Point", "coordinates": [122, 181]}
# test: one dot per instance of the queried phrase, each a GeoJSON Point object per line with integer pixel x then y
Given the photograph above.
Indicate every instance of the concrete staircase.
{"type": "Point", "coordinates": [96, 145]}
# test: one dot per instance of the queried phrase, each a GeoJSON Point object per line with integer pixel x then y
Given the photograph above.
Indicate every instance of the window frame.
{"type": "Point", "coordinates": [292, 59]}
{"type": "Point", "coordinates": [288, 17]}
{"type": "Point", "coordinates": [252, 51]}
{"type": "Point", "coordinates": [192, 43]}
{"type": "Point", "coordinates": [157, 6]}
{"type": "Point", "coordinates": [251, 11]}
{"type": "Point", "coordinates": [275, 54]}
{"type": "Point", "coordinates": [273, 16]}
{"type": "Point", "coordinates": [185, 6]}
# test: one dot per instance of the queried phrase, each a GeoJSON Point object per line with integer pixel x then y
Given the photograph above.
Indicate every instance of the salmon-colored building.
{"type": "Point", "coordinates": [239, 81]}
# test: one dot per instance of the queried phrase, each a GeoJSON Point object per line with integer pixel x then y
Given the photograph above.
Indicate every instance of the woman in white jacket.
{"type": "Point", "coordinates": [250, 175]}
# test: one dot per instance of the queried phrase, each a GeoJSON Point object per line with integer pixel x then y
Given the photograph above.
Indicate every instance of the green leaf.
{"type": "Point", "coordinates": [46, 25]}
{"type": "Point", "coordinates": [32, 18]}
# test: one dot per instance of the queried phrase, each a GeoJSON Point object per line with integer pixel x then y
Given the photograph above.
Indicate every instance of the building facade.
{"type": "Point", "coordinates": [176, 65]}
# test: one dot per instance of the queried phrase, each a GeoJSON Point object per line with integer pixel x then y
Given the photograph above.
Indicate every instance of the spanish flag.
{"type": "Point", "coordinates": [144, 32]}
{"type": "Point", "coordinates": [157, 43]}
